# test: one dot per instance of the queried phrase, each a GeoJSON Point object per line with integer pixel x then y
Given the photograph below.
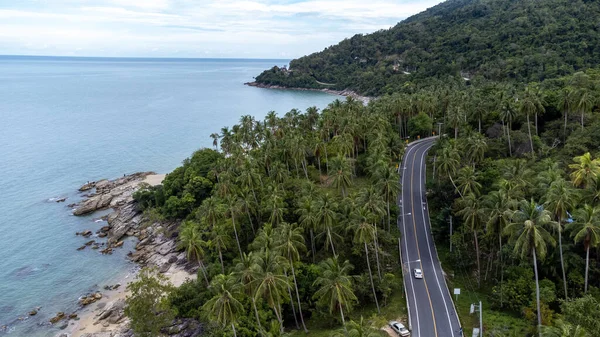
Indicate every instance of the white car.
{"type": "Point", "coordinates": [399, 328]}
{"type": "Point", "coordinates": [418, 273]}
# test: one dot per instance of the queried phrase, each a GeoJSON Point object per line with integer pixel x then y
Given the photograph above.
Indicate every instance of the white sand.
{"type": "Point", "coordinates": [154, 179]}
{"type": "Point", "coordinates": [87, 317]}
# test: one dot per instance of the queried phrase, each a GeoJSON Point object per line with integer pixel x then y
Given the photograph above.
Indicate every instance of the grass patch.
{"type": "Point", "coordinates": [394, 309]}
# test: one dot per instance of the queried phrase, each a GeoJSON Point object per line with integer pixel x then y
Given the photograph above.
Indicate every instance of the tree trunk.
{"type": "Point", "coordinates": [221, 258]}
{"type": "Point", "coordinates": [319, 164]}
{"type": "Point", "coordinates": [479, 124]}
{"type": "Point", "coordinates": [565, 127]}
{"type": "Point", "coordinates": [501, 270]}
{"type": "Point", "coordinates": [562, 261]}
{"type": "Point", "coordinates": [296, 166]}
{"type": "Point", "coordinates": [305, 169]}
{"type": "Point", "coordinates": [376, 243]}
{"type": "Point", "coordinates": [388, 215]}
{"type": "Point", "coordinates": [203, 271]}
{"type": "Point", "coordinates": [581, 119]}
{"type": "Point", "coordinates": [326, 159]}
{"type": "Point", "coordinates": [509, 145]}
{"type": "Point", "coordinates": [537, 291]}
{"type": "Point", "coordinates": [331, 241]}
{"type": "Point", "coordinates": [250, 219]}
{"type": "Point", "coordinates": [536, 124]}
{"type": "Point", "coordinates": [529, 132]}
{"type": "Point", "coordinates": [312, 244]}
{"type": "Point", "coordinates": [292, 303]}
{"type": "Point", "coordinates": [343, 320]}
{"type": "Point", "coordinates": [478, 262]}
{"type": "Point", "coordinates": [297, 294]}
{"type": "Point", "coordinates": [455, 133]}
{"type": "Point", "coordinates": [237, 239]}
{"type": "Point", "coordinates": [371, 277]}
{"type": "Point", "coordinates": [453, 184]}
{"type": "Point", "coordinates": [256, 313]}
{"type": "Point", "coordinates": [587, 267]}
{"type": "Point", "coordinates": [233, 327]}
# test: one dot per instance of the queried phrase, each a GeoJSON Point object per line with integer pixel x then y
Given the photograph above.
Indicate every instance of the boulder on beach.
{"type": "Point", "coordinates": [60, 315]}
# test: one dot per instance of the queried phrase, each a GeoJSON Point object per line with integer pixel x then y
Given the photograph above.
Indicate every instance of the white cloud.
{"type": "Point", "coordinates": [190, 28]}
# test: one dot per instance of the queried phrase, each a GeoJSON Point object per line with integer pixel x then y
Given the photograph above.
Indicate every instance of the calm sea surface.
{"type": "Point", "coordinates": [64, 121]}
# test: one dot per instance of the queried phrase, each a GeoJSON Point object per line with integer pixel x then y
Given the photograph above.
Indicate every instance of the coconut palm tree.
{"type": "Point", "coordinates": [586, 229]}
{"type": "Point", "coordinates": [559, 200]}
{"type": "Point", "coordinates": [362, 328]}
{"type": "Point", "coordinates": [290, 243]}
{"type": "Point", "coordinates": [364, 233]}
{"type": "Point", "coordinates": [564, 329]}
{"type": "Point", "coordinates": [307, 210]}
{"type": "Point", "coordinates": [467, 181]}
{"type": "Point", "coordinates": [270, 283]}
{"type": "Point", "coordinates": [387, 181]}
{"type": "Point", "coordinates": [475, 147]}
{"type": "Point", "coordinates": [215, 138]}
{"type": "Point", "coordinates": [508, 113]}
{"type": "Point", "coordinates": [233, 208]}
{"type": "Point", "coordinates": [191, 241]}
{"type": "Point", "coordinates": [565, 104]}
{"type": "Point", "coordinates": [585, 170]}
{"type": "Point", "coordinates": [531, 238]}
{"type": "Point", "coordinates": [224, 308]}
{"type": "Point", "coordinates": [531, 103]}
{"type": "Point", "coordinates": [327, 219]}
{"type": "Point", "coordinates": [472, 212]}
{"type": "Point", "coordinates": [341, 175]}
{"type": "Point", "coordinates": [335, 287]}
{"type": "Point", "coordinates": [448, 160]}
{"type": "Point", "coordinates": [246, 272]}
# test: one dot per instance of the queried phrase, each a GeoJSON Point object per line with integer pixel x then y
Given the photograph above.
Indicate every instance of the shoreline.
{"type": "Point", "coordinates": [154, 247]}
{"type": "Point", "coordinates": [346, 93]}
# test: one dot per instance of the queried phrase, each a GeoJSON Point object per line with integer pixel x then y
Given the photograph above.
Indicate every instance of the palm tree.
{"type": "Point", "coordinates": [307, 211]}
{"type": "Point", "coordinates": [475, 147]}
{"type": "Point", "coordinates": [387, 181]}
{"type": "Point", "coordinates": [232, 203]}
{"type": "Point", "coordinates": [584, 102]}
{"type": "Point", "coordinates": [326, 215]}
{"type": "Point", "coordinates": [246, 273]}
{"type": "Point", "coordinates": [565, 103]}
{"type": "Point", "coordinates": [215, 138]}
{"type": "Point", "coordinates": [508, 113]}
{"type": "Point", "coordinates": [585, 170]}
{"type": "Point", "coordinates": [498, 207]}
{"type": "Point", "coordinates": [341, 174]}
{"type": "Point", "coordinates": [335, 287]}
{"type": "Point", "coordinates": [448, 160]}
{"type": "Point", "coordinates": [472, 213]}
{"type": "Point", "coordinates": [586, 229]}
{"type": "Point", "coordinates": [530, 237]}
{"type": "Point", "coordinates": [270, 282]}
{"type": "Point", "coordinates": [531, 103]}
{"type": "Point", "coordinates": [564, 329]}
{"type": "Point", "coordinates": [560, 199]}
{"type": "Point", "coordinates": [220, 239]}
{"type": "Point", "coordinates": [364, 232]}
{"type": "Point", "coordinates": [224, 308]}
{"type": "Point", "coordinates": [190, 239]}
{"type": "Point", "coordinates": [467, 181]}
{"type": "Point", "coordinates": [361, 328]}
{"type": "Point", "coordinates": [290, 242]}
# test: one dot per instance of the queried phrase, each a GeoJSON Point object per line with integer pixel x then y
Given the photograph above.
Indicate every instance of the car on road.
{"type": "Point", "coordinates": [418, 273]}
{"type": "Point", "coordinates": [399, 328]}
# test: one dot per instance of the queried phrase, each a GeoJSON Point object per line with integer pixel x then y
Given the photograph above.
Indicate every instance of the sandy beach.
{"type": "Point", "coordinates": [154, 179]}
{"type": "Point", "coordinates": [88, 322]}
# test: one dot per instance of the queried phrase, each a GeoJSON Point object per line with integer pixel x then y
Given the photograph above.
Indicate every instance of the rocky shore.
{"type": "Point", "coordinates": [156, 247]}
{"type": "Point", "coordinates": [346, 93]}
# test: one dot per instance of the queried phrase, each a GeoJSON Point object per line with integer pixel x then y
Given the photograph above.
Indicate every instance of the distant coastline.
{"type": "Point", "coordinates": [346, 93]}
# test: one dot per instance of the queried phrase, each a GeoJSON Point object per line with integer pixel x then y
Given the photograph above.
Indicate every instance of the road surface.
{"type": "Point", "coordinates": [431, 311]}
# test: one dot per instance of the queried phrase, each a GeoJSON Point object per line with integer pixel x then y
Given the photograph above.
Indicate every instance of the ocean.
{"type": "Point", "coordinates": [65, 121]}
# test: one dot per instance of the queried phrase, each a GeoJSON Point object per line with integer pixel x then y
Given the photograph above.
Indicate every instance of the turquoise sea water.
{"type": "Point", "coordinates": [64, 121]}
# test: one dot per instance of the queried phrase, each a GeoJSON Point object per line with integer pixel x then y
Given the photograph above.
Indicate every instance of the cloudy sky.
{"type": "Point", "coordinates": [191, 28]}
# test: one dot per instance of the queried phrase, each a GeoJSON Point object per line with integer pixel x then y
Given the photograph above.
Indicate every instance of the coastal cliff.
{"type": "Point", "coordinates": [345, 93]}
{"type": "Point", "coordinates": [156, 247]}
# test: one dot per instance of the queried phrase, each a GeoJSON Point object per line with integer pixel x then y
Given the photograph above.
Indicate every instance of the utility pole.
{"type": "Point", "coordinates": [451, 234]}
{"type": "Point", "coordinates": [440, 128]}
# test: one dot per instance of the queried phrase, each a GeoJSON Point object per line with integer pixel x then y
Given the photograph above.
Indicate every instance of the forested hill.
{"type": "Point", "coordinates": [499, 40]}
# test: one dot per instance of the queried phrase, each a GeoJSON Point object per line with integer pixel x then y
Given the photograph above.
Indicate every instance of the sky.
{"type": "Point", "coordinates": [192, 28]}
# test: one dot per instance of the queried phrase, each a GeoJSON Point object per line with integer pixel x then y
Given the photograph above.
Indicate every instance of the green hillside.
{"type": "Point", "coordinates": [499, 40]}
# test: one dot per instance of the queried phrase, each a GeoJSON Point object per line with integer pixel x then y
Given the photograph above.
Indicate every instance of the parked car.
{"type": "Point", "coordinates": [399, 328]}
{"type": "Point", "coordinates": [418, 273]}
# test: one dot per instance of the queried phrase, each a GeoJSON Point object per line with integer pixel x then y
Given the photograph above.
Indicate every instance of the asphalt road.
{"type": "Point", "coordinates": [432, 313]}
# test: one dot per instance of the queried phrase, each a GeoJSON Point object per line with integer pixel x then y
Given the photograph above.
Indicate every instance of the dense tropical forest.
{"type": "Point", "coordinates": [291, 220]}
{"type": "Point", "coordinates": [499, 40]}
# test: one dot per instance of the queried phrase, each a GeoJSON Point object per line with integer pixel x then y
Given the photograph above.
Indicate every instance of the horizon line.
{"type": "Point", "coordinates": [144, 57]}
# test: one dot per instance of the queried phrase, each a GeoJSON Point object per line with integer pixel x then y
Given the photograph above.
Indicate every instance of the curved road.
{"type": "Point", "coordinates": [432, 313]}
